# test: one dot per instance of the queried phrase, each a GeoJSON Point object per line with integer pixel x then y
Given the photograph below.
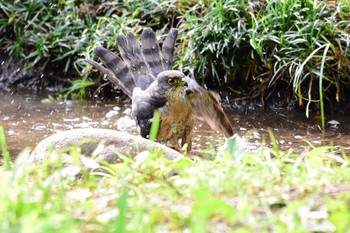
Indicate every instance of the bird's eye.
{"type": "Point", "coordinates": [172, 81]}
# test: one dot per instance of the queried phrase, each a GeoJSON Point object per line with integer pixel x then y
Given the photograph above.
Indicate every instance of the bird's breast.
{"type": "Point", "coordinates": [177, 117]}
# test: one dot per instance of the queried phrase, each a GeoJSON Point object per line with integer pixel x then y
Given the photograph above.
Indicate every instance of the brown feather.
{"type": "Point", "coordinates": [208, 109]}
{"type": "Point", "coordinates": [177, 120]}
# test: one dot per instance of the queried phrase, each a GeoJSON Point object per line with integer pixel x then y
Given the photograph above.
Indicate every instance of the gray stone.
{"type": "Point", "coordinates": [99, 144]}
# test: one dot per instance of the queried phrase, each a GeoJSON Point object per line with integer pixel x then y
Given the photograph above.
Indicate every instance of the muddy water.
{"type": "Point", "coordinates": [28, 119]}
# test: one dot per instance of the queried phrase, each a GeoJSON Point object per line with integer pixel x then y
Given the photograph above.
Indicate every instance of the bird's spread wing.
{"type": "Point", "coordinates": [208, 108]}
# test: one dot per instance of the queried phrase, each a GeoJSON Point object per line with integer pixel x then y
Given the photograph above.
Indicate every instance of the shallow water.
{"type": "Point", "coordinates": [28, 119]}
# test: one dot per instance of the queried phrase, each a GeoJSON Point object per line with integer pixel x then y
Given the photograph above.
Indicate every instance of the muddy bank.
{"type": "Point", "coordinates": [18, 75]}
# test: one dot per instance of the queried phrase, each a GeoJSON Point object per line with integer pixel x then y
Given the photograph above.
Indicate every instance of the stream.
{"type": "Point", "coordinates": [27, 119]}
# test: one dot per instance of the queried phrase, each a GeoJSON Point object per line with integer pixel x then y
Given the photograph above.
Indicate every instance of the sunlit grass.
{"type": "Point", "coordinates": [266, 191]}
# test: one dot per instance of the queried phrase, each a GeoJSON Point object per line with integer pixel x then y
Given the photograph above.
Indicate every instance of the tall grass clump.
{"type": "Point", "coordinates": [273, 48]}
{"type": "Point", "coordinates": [60, 35]}
{"type": "Point", "coordinates": [216, 35]}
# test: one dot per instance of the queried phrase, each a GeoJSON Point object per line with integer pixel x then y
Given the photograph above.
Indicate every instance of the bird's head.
{"type": "Point", "coordinates": [170, 81]}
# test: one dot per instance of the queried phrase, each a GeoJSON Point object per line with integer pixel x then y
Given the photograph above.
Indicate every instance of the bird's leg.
{"type": "Point", "coordinates": [175, 147]}
{"type": "Point", "coordinates": [186, 140]}
{"type": "Point", "coordinates": [184, 147]}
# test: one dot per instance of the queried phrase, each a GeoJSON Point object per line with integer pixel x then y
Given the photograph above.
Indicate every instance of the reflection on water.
{"type": "Point", "coordinates": [27, 120]}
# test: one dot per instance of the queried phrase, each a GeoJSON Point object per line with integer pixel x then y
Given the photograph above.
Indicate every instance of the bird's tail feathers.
{"type": "Point", "coordinates": [131, 52]}
{"type": "Point", "coordinates": [140, 63]}
{"type": "Point", "coordinates": [117, 70]}
{"type": "Point", "coordinates": [168, 49]}
{"type": "Point", "coordinates": [151, 51]}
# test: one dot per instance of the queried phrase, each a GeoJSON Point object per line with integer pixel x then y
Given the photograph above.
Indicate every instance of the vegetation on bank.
{"type": "Point", "coordinates": [275, 50]}
{"type": "Point", "coordinates": [60, 35]}
{"type": "Point", "coordinates": [264, 191]}
{"type": "Point", "coordinates": [269, 50]}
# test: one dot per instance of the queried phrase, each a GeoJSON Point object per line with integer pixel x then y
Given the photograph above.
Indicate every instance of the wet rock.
{"type": "Point", "coordinates": [17, 74]}
{"type": "Point", "coordinates": [11, 72]}
{"type": "Point", "coordinates": [99, 144]}
{"type": "Point", "coordinates": [125, 123]}
{"type": "Point", "coordinates": [333, 124]}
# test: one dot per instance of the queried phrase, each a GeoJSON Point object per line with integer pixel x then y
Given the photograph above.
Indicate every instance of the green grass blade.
{"type": "Point", "coordinates": [155, 126]}
{"type": "Point", "coordinates": [321, 86]}
{"type": "Point", "coordinates": [5, 152]}
{"type": "Point", "coordinates": [274, 142]}
{"type": "Point", "coordinates": [299, 71]}
{"type": "Point", "coordinates": [121, 219]}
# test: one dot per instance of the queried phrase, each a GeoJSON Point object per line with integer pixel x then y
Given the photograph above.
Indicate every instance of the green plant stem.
{"type": "Point", "coordinates": [321, 86]}
{"type": "Point", "coordinates": [5, 152]}
{"type": "Point", "coordinates": [155, 126]}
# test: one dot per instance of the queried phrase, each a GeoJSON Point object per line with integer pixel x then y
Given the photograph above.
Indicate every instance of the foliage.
{"type": "Point", "coordinates": [63, 33]}
{"type": "Point", "coordinates": [264, 48]}
{"type": "Point", "coordinates": [78, 89]}
{"type": "Point", "coordinates": [216, 30]}
{"type": "Point", "coordinates": [264, 191]}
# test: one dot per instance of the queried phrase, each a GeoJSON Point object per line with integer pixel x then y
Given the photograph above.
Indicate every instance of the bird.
{"type": "Point", "coordinates": [143, 71]}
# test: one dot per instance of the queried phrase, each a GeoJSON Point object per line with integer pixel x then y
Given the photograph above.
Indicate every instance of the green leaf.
{"type": "Point", "coordinates": [233, 147]}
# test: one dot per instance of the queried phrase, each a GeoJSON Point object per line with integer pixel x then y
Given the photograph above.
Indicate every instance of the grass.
{"type": "Point", "coordinates": [272, 50]}
{"type": "Point", "coordinates": [60, 35]}
{"type": "Point", "coordinates": [5, 152]}
{"type": "Point", "coordinates": [266, 191]}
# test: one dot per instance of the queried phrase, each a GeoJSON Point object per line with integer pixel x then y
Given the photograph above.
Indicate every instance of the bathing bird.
{"type": "Point", "coordinates": [143, 70]}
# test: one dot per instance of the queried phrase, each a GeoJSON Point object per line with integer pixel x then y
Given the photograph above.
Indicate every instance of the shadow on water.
{"type": "Point", "coordinates": [28, 119]}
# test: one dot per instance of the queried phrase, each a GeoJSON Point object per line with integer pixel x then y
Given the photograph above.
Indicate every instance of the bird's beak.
{"type": "Point", "coordinates": [184, 83]}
